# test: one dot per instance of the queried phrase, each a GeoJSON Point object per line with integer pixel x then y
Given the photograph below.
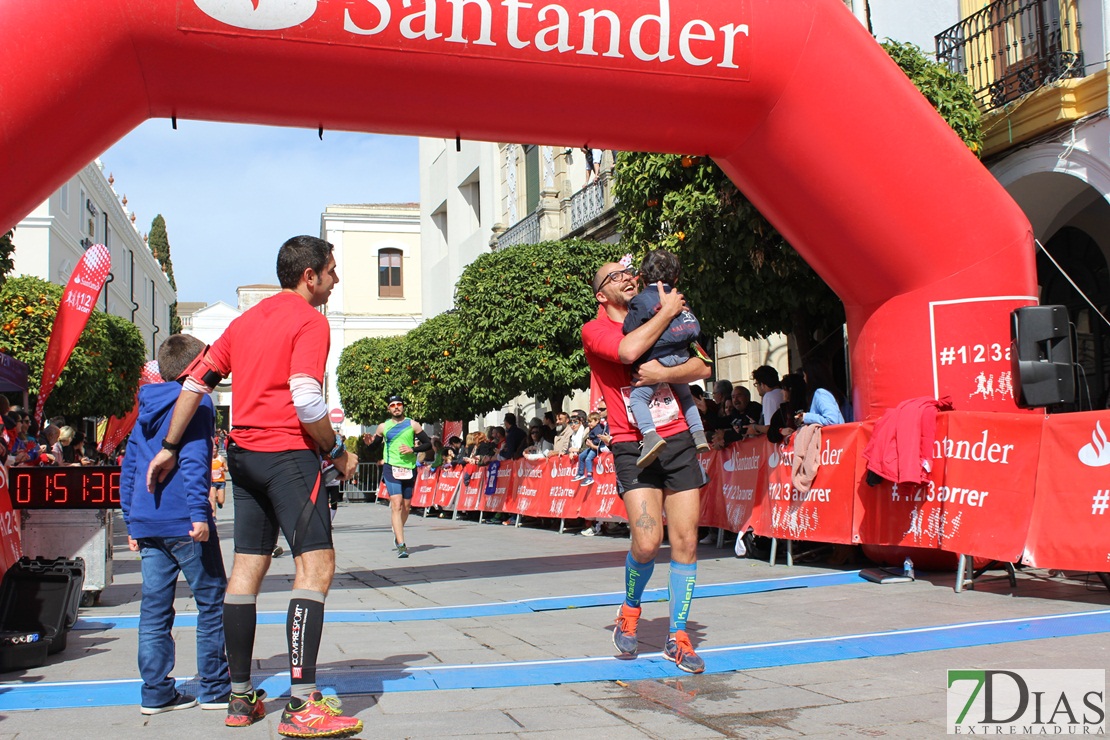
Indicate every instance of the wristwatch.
{"type": "Point", "coordinates": [171, 446]}
{"type": "Point", "coordinates": [338, 449]}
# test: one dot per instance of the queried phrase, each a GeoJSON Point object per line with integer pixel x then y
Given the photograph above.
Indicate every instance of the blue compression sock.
{"type": "Point", "coordinates": [636, 576]}
{"type": "Point", "coordinates": [682, 580]}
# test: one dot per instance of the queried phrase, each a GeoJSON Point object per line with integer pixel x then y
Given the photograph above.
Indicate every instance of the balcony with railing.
{"type": "Point", "coordinates": [1014, 47]}
{"type": "Point", "coordinates": [525, 231]}
{"type": "Point", "coordinates": [588, 213]}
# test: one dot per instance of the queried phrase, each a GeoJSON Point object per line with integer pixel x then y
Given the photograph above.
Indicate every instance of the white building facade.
{"type": "Point", "coordinates": [85, 211]}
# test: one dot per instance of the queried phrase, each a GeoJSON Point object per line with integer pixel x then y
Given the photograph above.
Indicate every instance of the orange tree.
{"type": "Point", "coordinates": [102, 374]}
{"type": "Point", "coordinates": [522, 311]}
{"type": "Point", "coordinates": [370, 371]}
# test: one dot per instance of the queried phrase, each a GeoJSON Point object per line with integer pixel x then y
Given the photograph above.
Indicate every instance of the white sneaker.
{"type": "Point", "coordinates": [709, 539]}
{"type": "Point", "coordinates": [588, 532]}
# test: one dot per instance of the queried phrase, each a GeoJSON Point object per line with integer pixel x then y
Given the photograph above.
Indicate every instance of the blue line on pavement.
{"type": "Point", "coordinates": [523, 606]}
{"type": "Point", "coordinates": [19, 696]}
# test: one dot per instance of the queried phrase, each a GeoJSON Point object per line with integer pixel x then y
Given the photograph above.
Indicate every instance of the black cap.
{"type": "Point", "coordinates": [395, 399]}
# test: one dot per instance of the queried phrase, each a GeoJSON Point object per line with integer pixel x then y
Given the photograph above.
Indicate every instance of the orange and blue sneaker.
{"type": "Point", "coordinates": [679, 649]}
{"type": "Point", "coordinates": [624, 634]}
{"type": "Point", "coordinates": [243, 710]}
{"type": "Point", "coordinates": [318, 716]}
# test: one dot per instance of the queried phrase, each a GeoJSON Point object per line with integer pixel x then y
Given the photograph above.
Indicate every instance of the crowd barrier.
{"type": "Point", "coordinates": [1005, 487]}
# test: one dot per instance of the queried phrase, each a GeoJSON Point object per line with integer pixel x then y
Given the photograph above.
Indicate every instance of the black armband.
{"type": "Point", "coordinates": [425, 443]}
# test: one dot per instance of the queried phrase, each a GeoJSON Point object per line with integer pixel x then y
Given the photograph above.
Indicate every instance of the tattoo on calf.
{"type": "Point", "coordinates": [645, 520]}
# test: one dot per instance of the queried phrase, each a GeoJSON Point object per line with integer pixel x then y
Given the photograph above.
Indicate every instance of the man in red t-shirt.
{"type": "Point", "coordinates": [671, 482]}
{"type": "Point", "coordinates": [278, 350]}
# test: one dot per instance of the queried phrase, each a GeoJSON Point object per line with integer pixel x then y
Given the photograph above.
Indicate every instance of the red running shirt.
{"type": "Point", "coordinates": [278, 338]}
{"type": "Point", "coordinates": [601, 338]}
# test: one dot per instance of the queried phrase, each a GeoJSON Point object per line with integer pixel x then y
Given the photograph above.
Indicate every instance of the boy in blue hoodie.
{"type": "Point", "coordinates": [174, 532]}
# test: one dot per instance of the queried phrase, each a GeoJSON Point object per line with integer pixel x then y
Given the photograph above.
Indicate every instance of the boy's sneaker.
{"type": "Point", "coordinates": [402, 550]}
{"type": "Point", "coordinates": [700, 441]}
{"type": "Point", "coordinates": [624, 634]}
{"type": "Point", "coordinates": [588, 482]}
{"type": "Point", "coordinates": [679, 649]}
{"type": "Point", "coordinates": [577, 476]}
{"type": "Point", "coordinates": [652, 446]}
{"type": "Point", "coordinates": [319, 716]}
{"type": "Point", "coordinates": [278, 552]}
{"type": "Point", "coordinates": [243, 710]}
{"type": "Point", "coordinates": [179, 701]}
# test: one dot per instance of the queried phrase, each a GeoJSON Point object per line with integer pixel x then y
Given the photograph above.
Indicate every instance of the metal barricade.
{"type": "Point", "coordinates": [363, 485]}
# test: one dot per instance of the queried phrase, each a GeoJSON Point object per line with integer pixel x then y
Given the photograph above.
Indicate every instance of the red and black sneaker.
{"type": "Point", "coordinates": [319, 716]}
{"type": "Point", "coordinates": [243, 710]}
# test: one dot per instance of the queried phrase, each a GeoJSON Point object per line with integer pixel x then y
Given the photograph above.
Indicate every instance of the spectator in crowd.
{"type": "Point", "coordinates": [783, 423]}
{"type": "Point", "coordinates": [78, 446]}
{"type": "Point", "coordinates": [564, 432]}
{"type": "Point", "coordinates": [744, 408]}
{"type": "Point", "coordinates": [590, 450]}
{"type": "Point", "coordinates": [549, 425]}
{"type": "Point", "coordinates": [722, 395]}
{"type": "Point", "coordinates": [515, 439]}
{"type": "Point", "coordinates": [174, 532]}
{"type": "Point", "coordinates": [593, 164]}
{"type": "Point", "coordinates": [63, 451]}
{"type": "Point", "coordinates": [25, 450]}
{"type": "Point", "coordinates": [496, 444]}
{"type": "Point", "coordinates": [452, 451]}
{"type": "Point", "coordinates": [767, 383]}
{"type": "Point", "coordinates": [660, 271]}
{"type": "Point", "coordinates": [578, 431]}
{"type": "Point", "coordinates": [825, 399]}
{"type": "Point", "coordinates": [540, 447]}
{"type": "Point", "coordinates": [51, 446]}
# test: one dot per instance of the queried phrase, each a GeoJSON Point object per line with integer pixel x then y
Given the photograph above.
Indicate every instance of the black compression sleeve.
{"type": "Point", "coordinates": [425, 443]}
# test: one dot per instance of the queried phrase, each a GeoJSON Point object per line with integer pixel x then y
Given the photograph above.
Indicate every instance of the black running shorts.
{"type": "Point", "coordinates": [278, 490]}
{"type": "Point", "coordinates": [675, 469]}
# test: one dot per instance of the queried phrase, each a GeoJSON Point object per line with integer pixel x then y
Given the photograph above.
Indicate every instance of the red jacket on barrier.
{"type": "Point", "coordinates": [902, 443]}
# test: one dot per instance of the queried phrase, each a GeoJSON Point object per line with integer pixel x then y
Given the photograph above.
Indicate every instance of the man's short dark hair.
{"type": "Point", "coordinates": [176, 354]}
{"type": "Point", "coordinates": [766, 375]}
{"type": "Point", "coordinates": [659, 264]}
{"type": "Point", "coordinates": [299, 254]}
{"type": "Point", "coordinates": [697, 392]}
{"type": "Point", "coordinates": [510, 419]}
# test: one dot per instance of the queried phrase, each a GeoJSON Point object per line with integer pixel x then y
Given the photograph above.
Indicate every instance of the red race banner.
{"type": "Point", "coordinates": [602, 501]}
{"type": "Point", "coordinates": [498, 485]}
{"type": "Point", "coordinates": [1071, 521]}
{"type": "Point", "coordinates": [824, 512]}
{"type": "Point", "coordinates": [424, 490]}
{"type": "Point", "coordinates": [742, 473]}
{"type": "Point", "coordinates": [78, 301]}
{"type": "Point", "coordinates": [990, 465]}
{"type": "Point", "coordinates": [532, 484]}
{"type": "Point", "coordinates": [11, 547]}
{"type": "Point", "coordinates": [449, 479]}
{"type": "Point", "coordinates": [905, 514]}
{"type": "Point", "coordinates": [470, 494]}
{"type": "Point", "coordinates": [564, 496]}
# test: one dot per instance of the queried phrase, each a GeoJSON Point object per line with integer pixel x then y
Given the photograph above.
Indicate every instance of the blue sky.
{"type": "Point", "coordinates": [232, 193]}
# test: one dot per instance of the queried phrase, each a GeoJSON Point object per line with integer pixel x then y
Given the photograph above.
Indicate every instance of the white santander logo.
{"type": "Point", "coordinates": [1097, 453]}
{"type": "Point", "coordinates": [259, 15]}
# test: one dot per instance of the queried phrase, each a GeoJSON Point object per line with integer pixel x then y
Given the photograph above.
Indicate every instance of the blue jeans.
{"type": "Point", "coordinates": [586, 462]}
{"type": "Point", "coordinates": [203, 567]}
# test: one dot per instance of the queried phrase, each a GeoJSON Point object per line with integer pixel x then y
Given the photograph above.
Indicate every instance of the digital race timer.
{"type": "Point", "coordinates": [64, 488]}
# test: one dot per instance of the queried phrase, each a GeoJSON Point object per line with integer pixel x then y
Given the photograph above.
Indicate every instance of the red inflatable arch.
{"type": "Point", "coordinates": [791, 97]}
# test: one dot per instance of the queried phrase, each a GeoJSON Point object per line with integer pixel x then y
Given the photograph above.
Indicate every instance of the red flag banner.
{"type": "Point", "coordinates": [118, 428]}
{"type": "Point", "coordinates": [740, 472]}
{"type": "Point", "coordinates": [1071, 509]}
{"type": "Point", "coordinates": [78, 301]}
{"type": "Point", "coordinates": [564, 495]}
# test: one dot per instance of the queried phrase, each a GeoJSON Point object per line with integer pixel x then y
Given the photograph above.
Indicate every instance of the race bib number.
{"type": "Point", "coordinates": [664, 406]}
{"type": "Point", "coordinates": [400, 473]}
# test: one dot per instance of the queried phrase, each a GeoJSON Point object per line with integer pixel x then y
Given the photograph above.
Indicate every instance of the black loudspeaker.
{"type": "Point", "coordinates": [1040, 355]}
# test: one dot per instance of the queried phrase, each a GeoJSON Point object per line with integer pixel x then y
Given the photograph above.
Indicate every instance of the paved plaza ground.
{"type": "Point", "coordinates": [496, 631]}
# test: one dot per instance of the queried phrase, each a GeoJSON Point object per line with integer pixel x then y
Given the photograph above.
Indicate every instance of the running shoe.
{"type": "Point", "coordinates": [243, 710]}
{"type": "Point", "coordinates": [624, 634]}
{"type": "Point", "coordinates": [319, 716]}
{"type": "Point", "coordinates": [679, 649]}
{"type": "Point", "coordinates": [402, 551]}
{"type": "Point", "coordinates": [179, 701]}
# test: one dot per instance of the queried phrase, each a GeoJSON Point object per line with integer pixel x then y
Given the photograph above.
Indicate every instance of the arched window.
{"type": "Point", "coordinates": [389, 274]}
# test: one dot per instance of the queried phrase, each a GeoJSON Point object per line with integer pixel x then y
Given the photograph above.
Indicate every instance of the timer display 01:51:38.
{"type": "Point", "coordinates": [64, 488]}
